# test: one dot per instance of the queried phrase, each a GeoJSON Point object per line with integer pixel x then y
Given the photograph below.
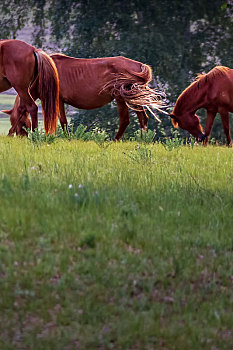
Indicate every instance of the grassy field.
{"type": "Point", "coordinates": [120, 247]}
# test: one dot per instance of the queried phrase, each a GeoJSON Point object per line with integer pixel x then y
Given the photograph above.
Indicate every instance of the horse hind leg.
{"type": "Point", "coordinates": [143, 120]}
{"type": "Point", "coordinates": [123, 112]}
{"type": "Point", "coordinates": [62, 116]}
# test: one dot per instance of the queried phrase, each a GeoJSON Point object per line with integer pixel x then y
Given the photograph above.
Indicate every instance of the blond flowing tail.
{"type": "Point", "coordinates": [48, 90]}
{"type": "Point", "coordinates": [133, 88]}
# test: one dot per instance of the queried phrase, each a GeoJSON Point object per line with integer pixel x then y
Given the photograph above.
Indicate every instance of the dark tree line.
{"type": "Point", "coordinates": [177, 38]}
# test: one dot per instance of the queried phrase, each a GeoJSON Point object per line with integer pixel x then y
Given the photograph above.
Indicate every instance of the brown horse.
{"type": "Point", "coordinates": [20, 65]}
{"type": "Point", "coordinates": [93, 83]}
{"type": "Point", "coordinates": [212, 91]}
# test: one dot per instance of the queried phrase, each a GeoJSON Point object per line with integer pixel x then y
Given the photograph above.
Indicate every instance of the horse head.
{"type": "Point", "coordinates": [18, 122]}
{"type": "Point", "coordinates": [189, 122]}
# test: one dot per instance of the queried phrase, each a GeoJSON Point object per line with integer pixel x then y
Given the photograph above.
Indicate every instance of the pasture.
{"type": "Point", "coordinates": [125, 246]}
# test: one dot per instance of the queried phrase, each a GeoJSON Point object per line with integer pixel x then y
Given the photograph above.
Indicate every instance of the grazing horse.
{"type": "Point", "coordinates": [212, 91]}
{"type": "Point", "coordinates": [20, 65]}
{"type": "Point", "coordinates": [93, 83]}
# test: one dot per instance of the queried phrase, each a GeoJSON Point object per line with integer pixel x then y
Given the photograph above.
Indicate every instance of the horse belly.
{"type": "Point", "coordinates": [85, 99]}
{"type": "Point", "coordinates": [4, 84]}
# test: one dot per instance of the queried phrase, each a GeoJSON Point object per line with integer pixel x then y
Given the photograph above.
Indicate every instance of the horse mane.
{"type": "Point", "coordinates": [201, 81]}
{"type": "Point", "coordinates": [213, 73]}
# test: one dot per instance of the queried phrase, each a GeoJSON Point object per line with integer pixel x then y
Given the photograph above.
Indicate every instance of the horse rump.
{"type": "Point", "coordinates": [133, 88]}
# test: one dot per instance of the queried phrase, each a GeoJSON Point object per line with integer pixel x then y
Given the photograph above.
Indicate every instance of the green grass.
{"type": "Point", "coordinates": [123, 247]}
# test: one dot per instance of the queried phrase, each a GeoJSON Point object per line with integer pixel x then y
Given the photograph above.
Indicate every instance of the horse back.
{"type": "Point", "coordinates": [100, 67]}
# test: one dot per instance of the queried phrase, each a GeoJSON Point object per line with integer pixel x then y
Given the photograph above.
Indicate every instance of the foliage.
{"type": "Point", "coordinates": [178, 39]}
{"type": "Point", "coordinates": [39, 136]}
{"type": "Point", "coordinates": [141, 154]}
{"type": "Point", "coordinates": [145, 136]}
{"type": "Point", "coordinates": [103, 139]}
{"type": "Point", "coordinates": [13, 17]}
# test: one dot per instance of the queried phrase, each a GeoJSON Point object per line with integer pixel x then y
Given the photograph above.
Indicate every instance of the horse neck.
{"type": "Point", "coordinates": [16, 104]}
{"type": "Point", "coordinates": [193, 98]}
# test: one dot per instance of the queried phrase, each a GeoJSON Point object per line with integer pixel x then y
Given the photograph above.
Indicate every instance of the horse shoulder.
{"type": "Point", "coordinates": [220, 92]}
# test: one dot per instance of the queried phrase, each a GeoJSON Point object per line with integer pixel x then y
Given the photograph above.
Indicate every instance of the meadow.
{"type": "Point", "coordinates": [115, 246]}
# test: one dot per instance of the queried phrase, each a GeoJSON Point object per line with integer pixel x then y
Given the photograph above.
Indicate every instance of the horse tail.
{"type": "Point", "coordinates": [48, 87]}
{"type": "Point", "coordinates": [133, 88]}
{"type": "Point", "coordinates": [145, 76]}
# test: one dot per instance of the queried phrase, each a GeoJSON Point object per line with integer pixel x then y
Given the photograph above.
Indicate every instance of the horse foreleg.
{"type": "Point", "coordinates": [62, 116]}
{"type": "Point", "coordinates": [123, 118]}
{"type": "Point", "coordinates": [225, 123]}
{"type": "Point", "coordinates": [208, 126]}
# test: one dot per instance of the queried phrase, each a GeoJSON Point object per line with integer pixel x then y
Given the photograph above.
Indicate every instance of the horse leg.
{"type": "Point", "coordinates": [208, 125]}
{"type": "Point", "coordinates": [143, 119]}
{"type": "Point", "coordinates": [225, 123]}
{"type": "Point", "coordinates": [123, 112]}
{"type": "Point", "coordinates": [62, 116]}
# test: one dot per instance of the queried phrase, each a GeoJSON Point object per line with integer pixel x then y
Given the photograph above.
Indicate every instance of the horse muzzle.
{"type": "Point", "coordinates": [201, 137]}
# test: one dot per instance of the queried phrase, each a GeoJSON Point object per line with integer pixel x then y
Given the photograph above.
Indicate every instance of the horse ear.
{"type": "Point", "coordinates": [7, 111]}
{"type": "Point", "coordinates": [174, 121]}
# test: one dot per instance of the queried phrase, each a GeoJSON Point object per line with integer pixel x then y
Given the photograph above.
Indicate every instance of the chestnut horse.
{"type": "Point", "coordinates": [20, 65]}
{"type": "Point", "coordinates": [93, 83]}
{"type": "Point", "coordinates": [212, 91]}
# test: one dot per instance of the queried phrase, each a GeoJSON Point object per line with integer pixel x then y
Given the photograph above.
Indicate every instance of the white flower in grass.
{"type": "Point", "coordinates": [80, 186]}
{"type": "Point", "coordinates": [76, 195]}
{"type": "Point", "coordinates": [70, 186]}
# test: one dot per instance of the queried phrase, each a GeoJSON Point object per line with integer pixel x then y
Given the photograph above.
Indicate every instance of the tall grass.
{"type": "Point", "coordinates": [121, 247]}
